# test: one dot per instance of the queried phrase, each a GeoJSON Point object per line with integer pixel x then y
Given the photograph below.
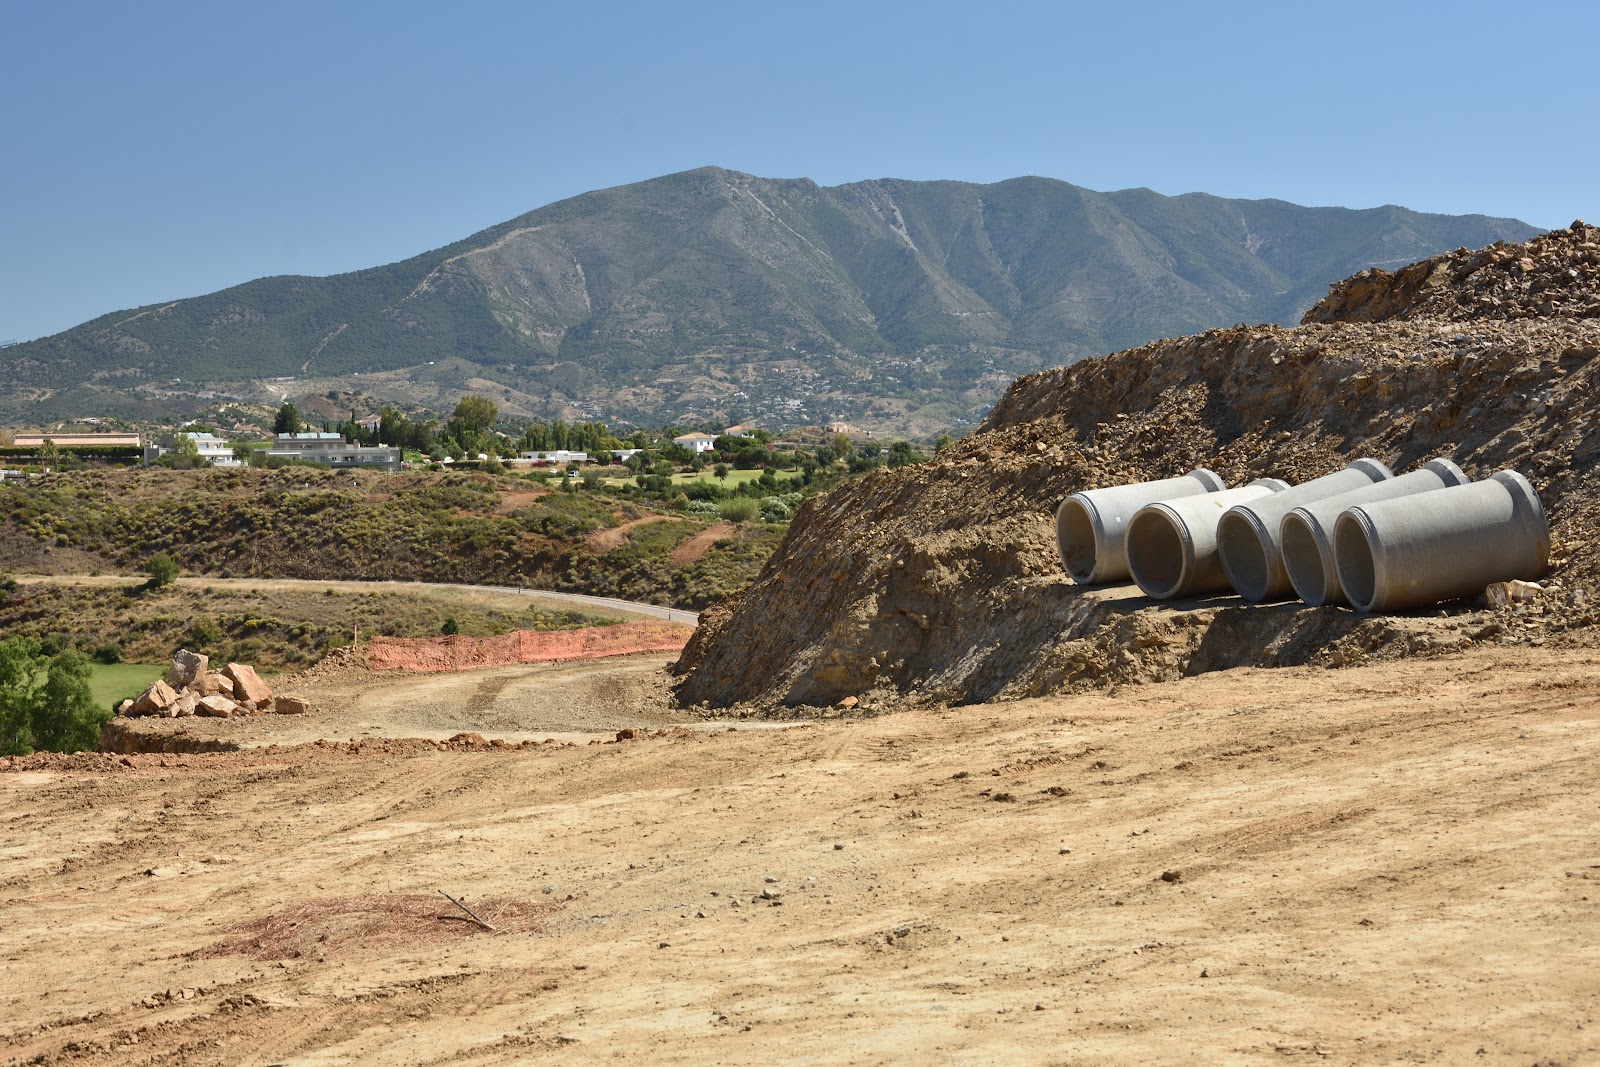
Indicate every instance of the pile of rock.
{"type": "Point", "coordinates": [192, 688]}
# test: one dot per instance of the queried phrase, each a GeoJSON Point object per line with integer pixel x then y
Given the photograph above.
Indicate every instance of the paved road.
{"type": "Point", "coordinates": [626, 607]}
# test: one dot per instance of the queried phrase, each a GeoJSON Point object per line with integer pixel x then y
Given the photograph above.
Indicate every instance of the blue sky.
{"type": "Point", "coordinates": [158, 150]}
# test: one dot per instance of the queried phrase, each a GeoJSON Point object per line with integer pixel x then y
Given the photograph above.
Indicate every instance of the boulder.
{"type": "Point", "coordinates": [216, 682]}
{"type": "Point", "coordinates": [247, 684]}
{"type": "Point", "coordinates": [184, 705]}
{"type": "Point", "coordinates": [122, 708]}
{"type": "Point", "coordinates": [187, 670]}
{"type": "Point", "coordinates": [216, 705]}
{"type": "Point", "coordinates": [154, 700]}
{"type": "Point", "coordinates": [291, 706]}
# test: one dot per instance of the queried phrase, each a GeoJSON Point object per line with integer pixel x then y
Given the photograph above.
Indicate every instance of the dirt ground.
{"type": "Point", "coordinates": [1391, 863]}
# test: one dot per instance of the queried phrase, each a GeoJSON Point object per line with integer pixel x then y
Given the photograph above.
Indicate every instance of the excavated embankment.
{"type": "Point", "coordinates": [941, 582]}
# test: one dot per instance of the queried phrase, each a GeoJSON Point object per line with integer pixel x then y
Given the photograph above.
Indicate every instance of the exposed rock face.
{"type": "Point", "coordinates": [215, 683]}
{"type": "Point", "coordinates": [188, 669]}
{"type": "Point", "coordinates": [942, 581]}
{"type": "Point", "coordinates": [216, 705]}
{"type": "Point", "coordinates": [247, 684]}
{"type": "Point", "coordinates": [155, 700]}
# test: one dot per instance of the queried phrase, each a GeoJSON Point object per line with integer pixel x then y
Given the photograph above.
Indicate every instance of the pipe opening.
{"type": "Point", "coordinates": [1155, 553]}
{"type": "Point", "coordinates": [1075, 539]}
{"type": "Point", "coordinates": [1244, 558]}
{"type": "Point", "coordinates": [1302, 559]}
{"type": "Point", "coordinates": [1352, 555]}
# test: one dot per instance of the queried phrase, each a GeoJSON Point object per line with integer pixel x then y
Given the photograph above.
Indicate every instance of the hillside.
{"type": "Point", "coordinates": [717, 295]}
{"type": "Point", "coordinates": [942, 582]}
{"type": "Point", "coordinates": [307, 523]}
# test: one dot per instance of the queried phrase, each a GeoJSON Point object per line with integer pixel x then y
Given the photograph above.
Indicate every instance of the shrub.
{"type": "Point", "coordinates": [450, 627]}
{"type": "Point", "coordinates": [162, 569]}
{"type": "Point", "coordinates": [110, 652]}
{"type": "Point", "coordinates": [204, 631]}
{"type": "Point", "coordinates": [739, 509]}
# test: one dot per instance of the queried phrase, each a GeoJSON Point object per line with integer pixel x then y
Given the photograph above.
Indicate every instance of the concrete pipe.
{"type": "Point", "coordinates": [1443, 545]}
{"type": "Point", "coordinates": [1090, 525]}
{"type": "Point", "coordinates": [1306, 534]}
{"type": "Point", "coordinates": [1247, 534]}
{"type": "Point", "coordinates": [1172, 544]}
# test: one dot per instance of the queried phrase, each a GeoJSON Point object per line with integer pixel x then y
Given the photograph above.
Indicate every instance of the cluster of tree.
{"type": "Point", "coordinates": [591, 437]}
{"type": "Point", "coordinates": [45, 701]}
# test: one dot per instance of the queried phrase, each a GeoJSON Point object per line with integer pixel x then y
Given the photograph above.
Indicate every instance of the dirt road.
{"type": "Point", "coordinates": [1373, 865]}
{"type": "Point", "coordinates": [538, 597]}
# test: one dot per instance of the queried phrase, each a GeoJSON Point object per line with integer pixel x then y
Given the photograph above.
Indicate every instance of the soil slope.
{"type": "Point", "coordinates": [942, 581]}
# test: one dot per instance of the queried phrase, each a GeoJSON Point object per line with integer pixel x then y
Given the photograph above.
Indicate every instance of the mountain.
{"type": "Point", "coordinates": [713, 295]}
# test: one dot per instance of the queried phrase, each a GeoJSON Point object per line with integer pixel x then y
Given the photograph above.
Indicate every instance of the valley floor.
{"type": "Point", "coordinates": [1398, 862]}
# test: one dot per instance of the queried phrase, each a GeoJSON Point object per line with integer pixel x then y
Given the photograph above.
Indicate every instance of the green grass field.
{"type": "Point", "coordinates": [112, 683]}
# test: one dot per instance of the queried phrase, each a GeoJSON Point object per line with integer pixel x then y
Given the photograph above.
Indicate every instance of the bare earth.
{"type": "Point", "coordinates": [1396, 863]}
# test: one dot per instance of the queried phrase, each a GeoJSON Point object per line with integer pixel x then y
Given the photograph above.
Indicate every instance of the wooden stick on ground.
{"type": "Point", "coordinates": [468, 910]}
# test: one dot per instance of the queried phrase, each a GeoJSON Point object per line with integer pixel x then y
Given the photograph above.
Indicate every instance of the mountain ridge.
{"type": "Point", "coordinates": [713, 293]}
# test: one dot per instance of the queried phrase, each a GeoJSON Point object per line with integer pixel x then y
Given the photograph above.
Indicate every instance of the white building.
{"type": "Point", "coordinates": [213, 449]}
{"type": "Point", "coordinates": [696, 442]}
{"type": "Point", "coordinates": [559, 455]}
{"type": "Point", "coordinates": [334, 450]}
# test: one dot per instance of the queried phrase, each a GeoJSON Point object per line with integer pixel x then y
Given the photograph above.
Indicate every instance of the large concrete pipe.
{"type": "Point", "coordinates": [1306, 533]}
{"type": "Point", "coordinates": [1443, 545]}
{"type": "Point", "coordinates": [1090, 525]}
{"type": "Point", "coordinates": [1172, 544]}
{"type": "Point", "coordinates": [1247, 534]}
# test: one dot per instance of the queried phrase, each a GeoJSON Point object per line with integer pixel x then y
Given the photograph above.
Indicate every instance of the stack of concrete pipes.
{"type": "Point", "coordinates": [1360, 536]}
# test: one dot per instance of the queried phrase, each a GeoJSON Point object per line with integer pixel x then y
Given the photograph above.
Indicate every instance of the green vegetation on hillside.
{"type": "Point", "coordinates": [306, 522]}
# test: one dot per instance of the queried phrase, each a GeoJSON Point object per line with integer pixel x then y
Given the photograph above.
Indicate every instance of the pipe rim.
{"type": "Point", "coordinates": [1372, 468]}
{"type": "Point", "coordinates": [1208, 478]}
{"type": "Point", "coordinates": [1303, 555]}
{"type": "Point", "coordinates": [1082, 509]}
{"type": "Point", "coordinates": [1525, 500]}
{"type": "Point", "coordinates": [1447, 471]}
{"type": "Point", "coordinates": [1244, 552]}
{"type": "Point", "coordinates": [1165, 520]}
{"type": "Point", "coordinates": [1277, 485]}
{"type": "Point", "coordinates": [1356, 557]}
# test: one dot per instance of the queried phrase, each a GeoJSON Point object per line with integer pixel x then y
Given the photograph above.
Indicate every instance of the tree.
{"type": "Point", "coordinates": [721, 471]}
{"type": "Point", "coordinates": [49, 454]}
{"type": "Point", "coordinates": [185, 452]}
{"type": "Point", "coordinates": [901, 454]}
{"type": "Point", "coordinates": [842, 448]}
{"type": "Point", "coordinates": [162, 569]}
{"type": "Point", "coordinates": [288, 420]}
{"type": "Point", "coordinates": [474, 415]}
{"type": "Point", "coordinates": [450, 627]}
{"type": "Point", "coordinates": [45, 701]}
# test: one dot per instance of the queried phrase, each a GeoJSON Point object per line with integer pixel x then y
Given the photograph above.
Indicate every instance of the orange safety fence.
{"type": "Point", "coordinates": [459, 653]}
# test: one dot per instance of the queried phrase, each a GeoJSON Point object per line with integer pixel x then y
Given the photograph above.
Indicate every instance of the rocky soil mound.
{"type": "Point", "coordinates": [942, 582]}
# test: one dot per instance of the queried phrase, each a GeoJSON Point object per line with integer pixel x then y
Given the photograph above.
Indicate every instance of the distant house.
{"type": "Point", "coordinates": [696, 442]}
{"type": "Point", "coordinates": [622, 455]}
{"type": "Point", "coordinates": [848, 430]}
{"type": "Point", "coordinates": [371, 423]}
{"type": "Point", "coordinates": [740, 430]}
{"type": "Point", "coordinates": [213, 449]}
{"type": "Point", "coordinates": [79, 440]}
{"type": "Point", "coordinates": [334, 450]}
{"type": "Point", "coordinates": [558, 455]}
